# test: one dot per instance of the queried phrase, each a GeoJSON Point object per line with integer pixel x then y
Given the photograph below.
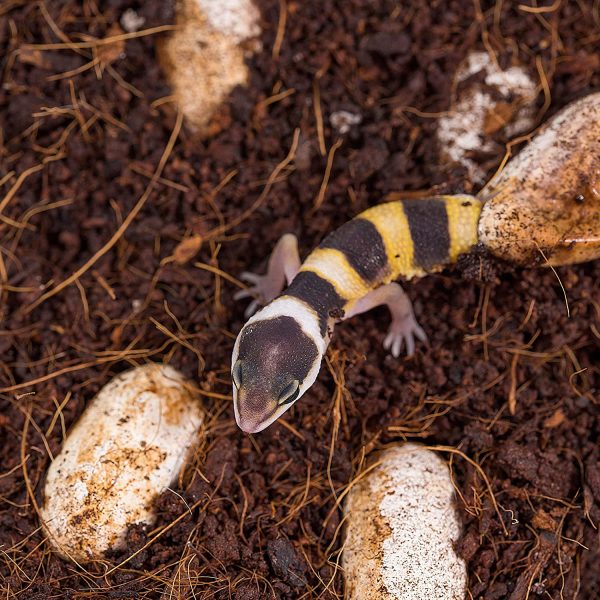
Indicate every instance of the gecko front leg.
{"type": "Point", "coordinates": [404, 327]}
{"type": "Point", "coordinates": [283, 266]}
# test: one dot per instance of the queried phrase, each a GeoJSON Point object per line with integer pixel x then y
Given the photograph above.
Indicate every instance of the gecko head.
{"type": "Point", "coordinates": [275, 360]}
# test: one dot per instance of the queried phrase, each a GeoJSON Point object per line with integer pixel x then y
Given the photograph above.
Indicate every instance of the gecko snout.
{"type": "Point", "coordinates": [254, 412]}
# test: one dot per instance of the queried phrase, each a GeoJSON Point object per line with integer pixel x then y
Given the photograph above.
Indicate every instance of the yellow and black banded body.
{"type": "Point", "coordinates": [406, 238]}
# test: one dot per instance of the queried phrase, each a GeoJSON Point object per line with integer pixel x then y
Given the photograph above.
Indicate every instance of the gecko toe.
{"type": "Point", "coordinates": [241, 294]}
{"type": "Point", "coordinates": [251, 277]}
{"type": "Point", "coordinates": [251, 309]}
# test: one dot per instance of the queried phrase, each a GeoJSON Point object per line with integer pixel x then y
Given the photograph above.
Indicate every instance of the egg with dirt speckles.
{"type": "Point", "coordinates": [544, 207]}
{"type": "Point", "coordinates": [401, 527]}
{"type": "Point", "coordinates": [126, 448]}
{"type": "Point", "coordinates": [206, 56]}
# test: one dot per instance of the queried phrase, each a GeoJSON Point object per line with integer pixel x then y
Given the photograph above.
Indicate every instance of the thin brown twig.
{"type": "Point", "coordinates": [540, 9]}
{"type": "Point", "coordinates": [100, 42]}
{"type": "Point", "coordinates": [265, 192]}
{"type": "Point", "coordinates": [4, 179]}
{"type": "Point", "coordinates": [319, 117]}
{"type": "Point", "coordinates": [60, 34]}
{"type": "Point", "coordinates": [484, 194]}
{"type": "Point", "coordinates": [220, 273]}
{"type": "Point", "coordinates": [181, 341]}
{"type": "Point", "coordinates": [128, 352]}
{"type": "Point", "coordinates": [148, 174]}
{"type": "Point", "coordinates": [81, 69]}
{"type": "Point", "coordinates": [562, 287]}
{"type": "Point", "coordinates": [280, 30]}
{"type": "Point", "coordinates": [545, 87]}
{"type": "Point", "coordinates": [321, 195]}
{"type": "Point", "coordinates": [104, 284]}
{"type": "Point", "coordinates": [23, 176]}
{"type": "Point", "coordinates": [28, 486]}
{"type": "Point", "coordinates": [512, 394]}
{"type": "Point", "coordinates": [453, 450]}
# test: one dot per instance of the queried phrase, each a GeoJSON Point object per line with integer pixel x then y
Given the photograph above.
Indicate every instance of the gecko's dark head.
{"type": "Point", "coordinates": [275, 360]}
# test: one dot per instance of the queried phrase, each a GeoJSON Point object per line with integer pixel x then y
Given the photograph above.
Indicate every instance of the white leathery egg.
{"type": "Point", "coordinates": [127, 447]}
{"type": "Point", "coordinates": [544, 207]}
{"type": "Point", "coordinates": [205, 58]}
{"type": "Point", "coordinates": [401, 526]}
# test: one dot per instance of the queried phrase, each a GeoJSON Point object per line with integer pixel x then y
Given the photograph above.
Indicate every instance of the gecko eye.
{"type": "Point", "coordinates": [236, 374]}
{"type": "Point", "coordinates": [289, 393]}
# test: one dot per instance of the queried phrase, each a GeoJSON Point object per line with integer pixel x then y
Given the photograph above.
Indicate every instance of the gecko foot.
{"type": "Point", "coordinates": [262, 289]}
{"type": "Point", "coordinates": [403, 330]}
{"type": "Point", "coordinates": [283, 265]}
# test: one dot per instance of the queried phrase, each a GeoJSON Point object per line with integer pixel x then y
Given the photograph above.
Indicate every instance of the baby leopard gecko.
{"type": "Point", "coordinates": [278, 352]}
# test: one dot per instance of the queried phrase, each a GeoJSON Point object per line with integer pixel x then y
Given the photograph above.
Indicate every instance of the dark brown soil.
{"type": "Point", "coordinates": [76, 154]}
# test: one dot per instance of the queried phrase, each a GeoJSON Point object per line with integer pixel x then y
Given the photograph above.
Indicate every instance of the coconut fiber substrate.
{"type": "Point", "coordinates": [93, 280]}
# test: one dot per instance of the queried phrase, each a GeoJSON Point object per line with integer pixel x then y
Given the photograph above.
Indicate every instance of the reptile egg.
{"type": "Point", "coordinates": [207, 55]}
{"type": "Point", "coordinates": [546, 201]}
{"type": "Point", "coordinates": [488, 100]}
{"type": "Point", "coordinates": [126, 448]}
{"type": "Point", "coordinates": [401, 526]}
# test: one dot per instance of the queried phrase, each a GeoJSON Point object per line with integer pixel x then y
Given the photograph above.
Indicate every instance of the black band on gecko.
{"type": "Point", "coordinates": [428, 223]}
{"type": "Point", "coordinates": [317, 293]}
{"type": "Point", "coordinates": [361, 244]}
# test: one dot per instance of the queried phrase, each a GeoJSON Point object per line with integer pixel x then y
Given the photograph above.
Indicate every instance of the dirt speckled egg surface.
{"type": "Point", "coordinates": [126, 448]}
{"type": "Point", "coordinates": [544, 207]}
{"type": "Point", "coordinates": [401, 527]}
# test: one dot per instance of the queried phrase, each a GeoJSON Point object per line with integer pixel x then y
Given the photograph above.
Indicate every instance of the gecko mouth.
{"type": "Point", "coordinates": [250, 418]}
{"type": "Point", "coordinates": [251, 428]}
{"type": "Point", "coordinates": [255, 425]}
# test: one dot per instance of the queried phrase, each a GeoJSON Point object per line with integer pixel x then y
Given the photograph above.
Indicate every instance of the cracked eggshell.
{"type": "Point", "coordinates": [205, 57]}
{"type": "Point", "coordinates": [401, 526]}
{"type": "Point", "coordinates": [127, 447]}
{"type": "Point", "coordinates": [547, 198]}
{"type": "Point", "coordinates": [490, 99]}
